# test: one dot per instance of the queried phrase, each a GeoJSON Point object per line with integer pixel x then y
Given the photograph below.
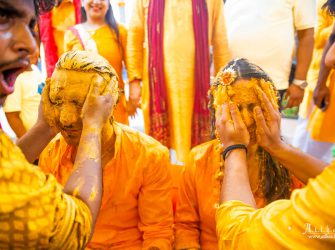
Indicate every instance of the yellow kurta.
{"type": "Point", "coordinates": [322, 31]}
{"type": "Point", "coordinates": [114, 52]}
{"type": "Point", "coordinates": [179, 54]}
{"type": "Point", "coordinates": [136, 209]}
{"type": "Point", "coordinates": [34, 212]}
{"type": "Point", "coordinates": [284, 224]}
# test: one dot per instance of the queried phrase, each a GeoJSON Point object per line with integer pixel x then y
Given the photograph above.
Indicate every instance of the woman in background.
{"type": "Point", "coordinates": [99, 32]}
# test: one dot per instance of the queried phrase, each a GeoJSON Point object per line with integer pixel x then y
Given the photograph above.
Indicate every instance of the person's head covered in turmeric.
{"type": "Point", "coordinates": [242, 83]}
{"type": "Point", "coordinates": [65, 92]}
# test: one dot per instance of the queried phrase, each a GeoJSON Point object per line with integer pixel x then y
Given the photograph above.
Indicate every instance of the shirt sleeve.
{"type": "Point", "coordinates": [13, 101]}
{"type": "Point", "coordinates": [304, 14]}
{"type": "Point", "coordinates": [155, 202]}
{"type": "Point", "coordinates": [35, 213]}
{"type": "Point", "coordinates": [123, 41]}
{"type": "Point", "coordinates": [187, 222]}
{"type": "Point", "coordinates": [283, 224]}
{"type": "Point", "coordinates": [135, 51]}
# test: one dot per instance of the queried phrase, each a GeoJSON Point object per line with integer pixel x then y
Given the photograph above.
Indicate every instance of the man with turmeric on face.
{"type": "Point", "coordinates": [136, 209]}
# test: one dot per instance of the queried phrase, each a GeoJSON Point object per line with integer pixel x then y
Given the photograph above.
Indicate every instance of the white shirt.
{"type": "Point", "coordinates": [263, 31]}
{"type": "Point", "coordinates": [26, 97]}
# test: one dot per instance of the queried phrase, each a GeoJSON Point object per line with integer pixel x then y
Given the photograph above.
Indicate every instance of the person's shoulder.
{"type": "Point", "coordinates": [204, 150]}
{"type": "Point", "coordinates": [138, 139]}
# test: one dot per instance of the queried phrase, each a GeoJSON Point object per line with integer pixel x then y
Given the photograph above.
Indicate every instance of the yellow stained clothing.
{"type": "Point", "coordinates": [136, 209]}
{"type": "Point", "coordinates": [199, 192]}
{"type": "Point", "coordinates": [322, 32]}
{"type": "Point", "coordinates": [283, 224]}
{"type": "Point", "coordinates": [34, 212]}
{"type": "Point", "coordinates": [113, 51]}
{"type": "Point", "coordinates": [179, 61]}
{"type": "Point", "coordinates": [62, 17]}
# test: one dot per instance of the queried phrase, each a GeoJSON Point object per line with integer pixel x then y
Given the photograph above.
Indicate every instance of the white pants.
{"type": "Point", "coordinates": [303, 141]}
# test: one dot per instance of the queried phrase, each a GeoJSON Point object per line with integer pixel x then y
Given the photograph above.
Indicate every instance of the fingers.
{"type": "Point", "coordinates": [236, 116]}
{"type": "Point", "coordinates": [269, 108]}
{"type": "Point", "coordinates": [260, 120]}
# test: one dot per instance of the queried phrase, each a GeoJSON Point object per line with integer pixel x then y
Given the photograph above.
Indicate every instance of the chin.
{"type": "Point", "coordinates": [70, 139]}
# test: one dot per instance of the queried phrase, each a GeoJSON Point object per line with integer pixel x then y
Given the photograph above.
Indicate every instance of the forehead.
{"type": "Point", "coordinates": [240, 92]}
{"type": "Point", "coordinates": [67, 83]}
{"type": "Point", "coordinates": [243, 92]}
{"type": "Point", "coordinates": [21, 8]}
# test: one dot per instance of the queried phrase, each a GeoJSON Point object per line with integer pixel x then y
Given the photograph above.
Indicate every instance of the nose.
{"type": "Point", "coordinates": [68, 116]}
{"type": "Point", "coordinates": [24, 41]}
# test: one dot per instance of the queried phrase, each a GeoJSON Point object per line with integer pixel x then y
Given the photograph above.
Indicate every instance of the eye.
{"type": "Point", "coordinates": [57, 102]}
{"type": "Point", "coordinates": [6, 20]}
{"type": "Point", "coordinates": [251, 107]}
{"type": "Point", "coordinates": [77, 103]}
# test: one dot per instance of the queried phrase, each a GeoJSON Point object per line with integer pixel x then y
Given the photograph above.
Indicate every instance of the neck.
{"type": "Point", "coordinates": [95, 23]}
{"type": "Point", "coordinates": [107, 144]}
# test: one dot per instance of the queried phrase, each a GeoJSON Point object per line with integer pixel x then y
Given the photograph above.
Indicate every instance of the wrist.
{"type": "Point", "coordinates": [277, 149]}
{"type": "Point", "coordinates": [135, 81]}
{"type": "Point", "coordinates": [300, 83]}
{"type": "Point", "coordinates": [234, 147]}
{"type": "Point", "coordinates": [45, 129]}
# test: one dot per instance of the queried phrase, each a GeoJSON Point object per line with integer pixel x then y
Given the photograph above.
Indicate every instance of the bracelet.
{"type": "Point", "coordinates": [232, 147]}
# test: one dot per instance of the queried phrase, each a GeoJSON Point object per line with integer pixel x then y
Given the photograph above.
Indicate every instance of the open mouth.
{"type": "Point", "coordinates": [8, 77]}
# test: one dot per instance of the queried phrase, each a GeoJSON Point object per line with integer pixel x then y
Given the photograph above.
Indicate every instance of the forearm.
{"type": "Point", "coordinates": [324, 69]}
{"type": "Point", "coordinates": [304, 53]}
{"type": "Point", "coordinates": [16, 123]}
{"type": "Point", "coordinates": [85, 182]}
{"type": "Point", "coordinates": [302, 165]}
{"type": "Point", "coordinates": [236, 185]}
{"type": "Point", "coordinates": [35, 140]}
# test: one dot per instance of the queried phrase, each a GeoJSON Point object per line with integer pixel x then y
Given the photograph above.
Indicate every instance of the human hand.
{"type": "Point", "coordinates": [135, 92]}
{"type": "Point", "coordinates": [295, 95]}
{"type": "Point", "coordinates": [267, 119]}
{"type": "Point", "coordinates": [321, 97]}
{"type": "Point", "coordinates": [46, 113]}
{"type": "Point", "coordinates": [230, 127]}
{"type": "Point", "coordinates": [97, 107]}
{"type": "Point", "coordinates": [131, 109]}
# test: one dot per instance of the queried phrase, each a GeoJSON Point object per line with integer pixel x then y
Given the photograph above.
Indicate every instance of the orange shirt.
{"type": "Point", "coordinates": [136, 209]}
{"type": "Point", "coordinates": [199, 193]}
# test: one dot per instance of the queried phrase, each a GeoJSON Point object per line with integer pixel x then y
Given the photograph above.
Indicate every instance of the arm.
{"type": "Point", "coordinates": [16, 123]}
{"type": "Point", "coordinates": [37, 138]}
{"type": "Point", "coordinates": [85, 182]}
{"type": "Point", "coordinates": [135, 55]}
{"type": "Point", "coordinates": [300, 164]}
{"type": "Point", "coordinates": [187, 221]}
{"type": "Point", "coordinates": [155, 201]}
{"type": "Point", "coordinates": [304, 58]}
{"type": "Point", "coordinates": [221, 50]}
{"type": "Point", "coordinates": [232, 130]}
{"type": "Point", "coordinates": [283, 224]}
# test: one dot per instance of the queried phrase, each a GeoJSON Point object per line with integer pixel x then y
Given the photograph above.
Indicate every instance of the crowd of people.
{"type": "Point", "coordinates": [210, 77]}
